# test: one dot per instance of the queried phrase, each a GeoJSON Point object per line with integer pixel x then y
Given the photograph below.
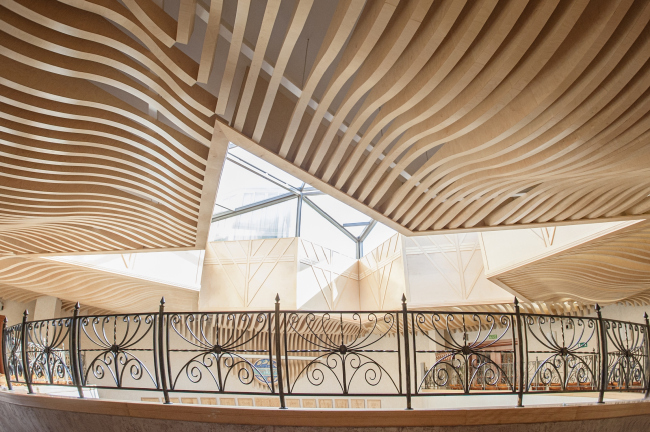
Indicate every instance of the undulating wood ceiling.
{"type": "Point", "coordinates": [612, 268]}
{"type": "Point", "coordinates": [24, 279]}
{"type": "Point", "coordinates": [448, 115]}
{"type": "Point", "coordinates": [429, 116]}
{"type": "Point", "coordinates": [83, 170]}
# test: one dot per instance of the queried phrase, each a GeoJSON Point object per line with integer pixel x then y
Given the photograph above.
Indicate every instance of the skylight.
{"type": "Point", "coordinates": [257, 200]}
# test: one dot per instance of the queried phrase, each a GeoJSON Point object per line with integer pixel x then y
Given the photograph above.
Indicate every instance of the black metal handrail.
{"type": "Point", "coordinates": [331, 353]}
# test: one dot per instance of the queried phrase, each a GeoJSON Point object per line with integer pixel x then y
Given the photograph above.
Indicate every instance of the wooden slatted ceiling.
{"type": "Point", "coordinates": [82, 170]}
{"type": "Point", "coordinates": [451, 115]}
{"type": "Point", "coordinates": [429, 116]}
{"type": "Point", "coordinates": [26, 278]}
{"type": "Point", "coordinates": [610, 269]}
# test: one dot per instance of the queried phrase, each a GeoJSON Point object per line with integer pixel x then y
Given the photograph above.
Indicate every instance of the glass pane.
{"type": "Point", "coordinates": [265, 166]}
{"type": "Point", "coordinates": [342, 213]}
{"type": "Point", "coordinates": [239, 187]}
{"type": "Point", "coordinates": [219, 209]}
{"type": "Point", "coordinates": [379, 234]}
{"type": "Point", "coordinates": [356, 230]}
{"type": "Point", "coordinates": [317, 229]}
{"type": "Point", "coordinates": [276, 221]}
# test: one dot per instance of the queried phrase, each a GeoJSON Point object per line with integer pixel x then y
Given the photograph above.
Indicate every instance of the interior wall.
{"type": "Point", "coordinates": [382, 280]}
{"type": "Point", "coordinates": [14, 310]}
{"type": "Point", "coordinates": [433, 271]}
{"type": "Point", "coordinates": [326, 280]}
{"type": "Point", "coordinates": [448, 270]}
{"type": "Point", "coordinates": [507, 248]}
{"type": "Point", "coordinates": [248, 274]}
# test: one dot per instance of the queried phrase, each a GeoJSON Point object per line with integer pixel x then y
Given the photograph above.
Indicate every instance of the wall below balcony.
{"type": "Point", "coordinates": [24, 413]}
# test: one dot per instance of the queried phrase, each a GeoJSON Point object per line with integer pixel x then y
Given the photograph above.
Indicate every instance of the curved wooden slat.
{"type": "Point", "coordinates": [298, 20]}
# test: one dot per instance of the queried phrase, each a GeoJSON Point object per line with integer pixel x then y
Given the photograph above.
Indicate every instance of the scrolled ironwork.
{"type": "Point", "coordinates": [47, 355]}
{"type": "Point", "coordinates": [331, 353]}
{"type": "Point", "coordinates": [341, 346]}
{"type": "Point", "coordinates": [220, 346]}
{"type": "Point", "coordinates": [465, 347]}
{"type": "Point", "coordinates": [627, 355]}
{"type": "Point", "coordinates": [12, 349]}
{"type": "Point", "coordinates": [563, 342]}
{"type": "Point", "coordinates": [113, 345]}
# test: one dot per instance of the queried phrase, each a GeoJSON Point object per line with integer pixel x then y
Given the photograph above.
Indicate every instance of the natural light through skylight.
{"type": "Point", "coordinates": [257, 200]}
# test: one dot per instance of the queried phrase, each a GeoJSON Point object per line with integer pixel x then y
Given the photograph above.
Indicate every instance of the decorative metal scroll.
{"type": "Point", "coordinates": [342, 353]}
{"type": "Point", "coordinates": [627, 355]}
{"type": "Point", "coordinates": [331, 353]}
{"type": "Point", "coordinates": [48, 354]}
{"type": "Point", "coordinates": [466, 351]}
{"type": "Point", "coordinates": [565, 350]}
{"type": "Point", "coordinates": [118, 351]}
{"type": "Point", "coordinates": [220, 352]}
{"type": "Point", "coordinates": [12, 348]}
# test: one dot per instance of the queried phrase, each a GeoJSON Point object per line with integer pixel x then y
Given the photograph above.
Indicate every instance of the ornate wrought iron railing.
{"type": "Point", "coordinates": [295, 353]}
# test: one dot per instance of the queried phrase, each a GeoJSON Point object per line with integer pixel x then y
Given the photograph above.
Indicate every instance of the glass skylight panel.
{"type": "Point", "coordinates": [379, 234]}
{"type": "Point", "coordinates": [317, 229]}
{"type": "Point", "coordinates": [219, 209]}
{"type": "Point", "coordinates": [275, 221]}
{"type": "Point", "coordinates": [263, 165]}
{"type": "Point", "coordinates": [342, 213]}
{"type": "Point", "coordinates": [356, 230]}
{"type": "Point", "coordinates": [239, 187]}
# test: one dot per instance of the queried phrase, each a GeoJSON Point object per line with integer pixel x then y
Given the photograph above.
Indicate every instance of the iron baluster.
{"type": "Point", "coordinates": [514, 360]}
{"type": "Point", "coordinates": [5, 364]}
{"type": "Point", "coordinates": [268, 319]}
{"type": "Point", "coordinates": [399, 357]}
{"type": "Point", "coordinates": [278, 355]}
{"type": "Point", "coordinates": [286, 352]}
{"type": "Point", "coordinates": [23, 343]}
{"type": "Point", "coordinates": [407, 354]}
{"type": "Point", "coordinates": [520, 384]}
{"type": "Point", "coordinates": [161, 351]}
{"type": "Point", "coordinates": [647, 347]}
{"type": "Point", "coordinates": [603, 355]}
{"type": "Point", "coordinates": [74, 352]}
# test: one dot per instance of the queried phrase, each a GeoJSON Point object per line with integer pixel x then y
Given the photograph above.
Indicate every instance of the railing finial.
{"type": "Point", "coordinates": [26, 313]}
{"type": "Point", "coordinates": [162, 301]}
{"type": "Point", "coordinates": [77, 306]}
{"type": "Point", "coordinates": [516, 300]}
{"type": "Point", "coordinates": [597, 307]}
{"type": "Point", "coordinates": [277, 298]}
{"type": "Point", "coordinates": [403, 297]}
{"type": "Point", "coordinates": [645, 315]}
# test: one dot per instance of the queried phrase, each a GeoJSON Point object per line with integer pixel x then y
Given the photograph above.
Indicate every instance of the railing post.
{"type": "Point", "coordinates": [23, 348]}
{"type": "Point", "coordinates": [74, 351]}
{"type": "Point", "coordinates": [407, 353]}
{"type": "Point", "coordinates": [278, 355]}
{"type": "Point", "coordinates": [5, 365]}
{"type": "Point", "coordinates": [161, 351]}
{"type": "Point", "coordinates": [647, 346]}
{"type": "Point", "coordinates": [603, 355]}
{"type": "Point", "coordinates": [520, 384]}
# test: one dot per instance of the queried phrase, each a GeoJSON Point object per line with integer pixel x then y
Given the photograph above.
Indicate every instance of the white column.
{"type": "Point", "coordinates": [47, 307]}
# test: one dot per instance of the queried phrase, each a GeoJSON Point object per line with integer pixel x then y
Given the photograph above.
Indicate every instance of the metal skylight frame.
{"type": "Point", "coordinates": [302, 194]}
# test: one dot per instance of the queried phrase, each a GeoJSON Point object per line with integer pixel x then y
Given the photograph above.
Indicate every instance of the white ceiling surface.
{"type": "Point", "coordinates": [180, 268]}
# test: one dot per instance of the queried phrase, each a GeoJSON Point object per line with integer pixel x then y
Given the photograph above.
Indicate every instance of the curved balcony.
{"type": "Point", "coordinates": [398, 359]}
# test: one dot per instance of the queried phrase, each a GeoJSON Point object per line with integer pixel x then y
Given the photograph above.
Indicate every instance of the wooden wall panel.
{"type": "Point", "coordinates": [327, 280]}
{"type": "Point", "coordinates": [448, 270]}
{"type": "Point", "coordinates": [382, 277]}
{"type": "Point", "coordinates": [247, 274]}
